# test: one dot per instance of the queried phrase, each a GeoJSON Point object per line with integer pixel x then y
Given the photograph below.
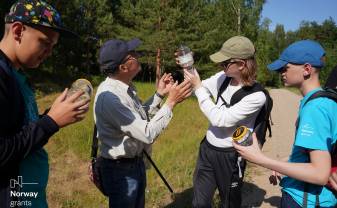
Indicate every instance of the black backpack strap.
{"type": "Point", "coordinates": [317, 201]}
{"type": "Point", "coordinates": [94, 146]}
{"type": "Point", "coordinates": [327, 92]}
{"type": "Point", "coordinates": [269, 126]}
{"type": "Point", "coordinates": [305, 197]}
{"type": "Point", "coordinates": [222, 88]}
{"type": "Point", "coordinates": [264, 114]}
{"type": "Point", "coordinates": [244, 91]}
{"type": "Point", "coordinates": [267, 108]}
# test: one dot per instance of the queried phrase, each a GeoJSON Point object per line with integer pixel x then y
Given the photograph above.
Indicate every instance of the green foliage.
{"type": "Point", "coordinates": [4, 8]}
{"type": "Point", "coordinates": [203, 25]}
{"type": "Point", "coordinates": [164, 24]}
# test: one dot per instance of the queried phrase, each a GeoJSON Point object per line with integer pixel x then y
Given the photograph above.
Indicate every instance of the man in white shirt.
{"type": "Point", "coordinates": [125, 126]}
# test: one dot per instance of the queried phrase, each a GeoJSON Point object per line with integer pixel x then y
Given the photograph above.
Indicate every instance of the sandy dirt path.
{"type": "Point", "coordinates": [258, 192]}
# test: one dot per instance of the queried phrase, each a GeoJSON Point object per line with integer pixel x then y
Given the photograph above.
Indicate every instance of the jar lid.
{"type": "Point", "coordinates": [83, 84]}
{"type": "Point", "coordinates": [239, 133]}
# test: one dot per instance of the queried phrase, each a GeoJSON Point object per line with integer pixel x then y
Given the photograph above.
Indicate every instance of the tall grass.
{"type": "Point", "coordinates": [174, 152]}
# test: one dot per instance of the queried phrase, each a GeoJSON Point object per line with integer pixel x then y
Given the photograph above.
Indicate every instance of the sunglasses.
{"type": "Point", "coordinates": [226, 64]}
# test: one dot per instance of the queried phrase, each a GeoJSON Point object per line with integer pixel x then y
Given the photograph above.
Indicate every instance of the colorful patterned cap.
{"type": "Point", "coordinates": [37, 12]}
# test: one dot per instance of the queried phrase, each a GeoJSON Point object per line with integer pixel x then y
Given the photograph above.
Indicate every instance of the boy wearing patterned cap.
{"type": "Point", "coordinates": [32, 29]}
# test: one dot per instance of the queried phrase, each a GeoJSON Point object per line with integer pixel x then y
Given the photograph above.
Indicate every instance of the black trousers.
{"type": "Point", "coordinates": [288, 202]}
{"type": "Point", "coordinates": [5, 199]}
{"type": "Point", "coordinates": [220, 168]}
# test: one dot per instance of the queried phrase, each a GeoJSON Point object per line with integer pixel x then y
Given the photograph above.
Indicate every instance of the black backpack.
{"type": "Point", "coordinates": [330, 93]}
{"type": "Point", "coordinates": [263, 120]}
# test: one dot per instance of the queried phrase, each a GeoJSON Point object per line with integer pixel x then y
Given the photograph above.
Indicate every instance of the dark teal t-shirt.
{"type": "Point", "coordinates": [34, 168]}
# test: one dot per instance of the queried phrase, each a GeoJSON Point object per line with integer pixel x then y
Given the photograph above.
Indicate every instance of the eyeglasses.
{"type": "Point", "coordinates": [130, 58]}
{"type": "Point", "coordinates": [226, 64]}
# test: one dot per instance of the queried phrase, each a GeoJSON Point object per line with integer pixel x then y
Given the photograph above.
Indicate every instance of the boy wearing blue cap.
{"type": "Point", "coordinates": [32, 28]}
{"type": "Point", "coordinates": [308, 168]}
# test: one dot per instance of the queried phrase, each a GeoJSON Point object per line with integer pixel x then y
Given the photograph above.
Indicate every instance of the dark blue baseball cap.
{"type": "Point", "coordinates": [113, 52]}
{"type": "Point", "coordinates": [300, 52]}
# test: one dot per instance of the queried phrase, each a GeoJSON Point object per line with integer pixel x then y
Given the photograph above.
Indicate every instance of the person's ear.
{"type": "Point", "coordinates": [123, 68]}
{"type": "Point", "coordinates": [17, 29]}
{"type": "Point", "coordinates": [241, 64]}
{"type": "Point", "coordinates": [307, 70]}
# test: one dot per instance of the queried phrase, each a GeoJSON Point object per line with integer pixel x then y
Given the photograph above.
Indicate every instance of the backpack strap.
{"type": "Point", "coordinates": [222, 88]}
{"type": "Point", "coordinates": [327, 92]}
{"type": "Point", "coordinates": [238, 95]}
{"type": "Point", "coordinates": [94, 145]}
{"type": "Point", "coordinates": [305, 197]}
{"type": "Point", "coordinates": [244, 91]}
{"type": "Point", "coordinates": [264, 114]}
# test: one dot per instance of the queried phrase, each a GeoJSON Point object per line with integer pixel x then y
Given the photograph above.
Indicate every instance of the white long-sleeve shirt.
{"type": "Point", "coordinates": [223, 120]}
{"type": "Point", "coordinates": [124, 127]}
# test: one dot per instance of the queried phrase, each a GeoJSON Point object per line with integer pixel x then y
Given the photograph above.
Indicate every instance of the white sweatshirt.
{"type": "Point", "coordinates": [223, 120]}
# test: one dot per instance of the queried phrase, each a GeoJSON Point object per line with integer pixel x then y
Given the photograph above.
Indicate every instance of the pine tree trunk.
{"type": "Point", "coordinates": [158, 72]}
{"type": "Point", "coordinates": [239, 20]}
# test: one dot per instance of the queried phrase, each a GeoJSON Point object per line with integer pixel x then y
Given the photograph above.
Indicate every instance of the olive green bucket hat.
{"type": "Point", "coordinates": [236, 47]}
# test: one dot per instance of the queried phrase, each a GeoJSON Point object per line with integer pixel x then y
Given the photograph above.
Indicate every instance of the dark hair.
{"type": "Point", "coordinates": [108, 70]}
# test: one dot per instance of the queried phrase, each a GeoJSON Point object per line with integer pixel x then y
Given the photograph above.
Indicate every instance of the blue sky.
{"type": "Point", "coordinates": [290, 13]}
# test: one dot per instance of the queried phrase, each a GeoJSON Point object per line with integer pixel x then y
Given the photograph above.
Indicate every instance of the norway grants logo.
{"type": "Point", "coordinates": [19, 182]}
{"type": "Point", "coordinates": [21, 198]}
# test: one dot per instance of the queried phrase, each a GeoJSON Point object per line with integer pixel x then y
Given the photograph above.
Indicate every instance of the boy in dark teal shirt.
{"type": "Point", "coordinates": [32, 28]}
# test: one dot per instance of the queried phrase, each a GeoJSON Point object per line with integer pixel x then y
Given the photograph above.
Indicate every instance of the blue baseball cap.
{"type": "Point", "coordinates": [300, 52]}
{"type": "Point", "coordinates": [113, 52]}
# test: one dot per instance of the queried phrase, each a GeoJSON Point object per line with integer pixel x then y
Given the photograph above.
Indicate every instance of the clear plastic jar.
{"type": "Point", "coordinates": [185, 57]}
{"type": "Point", "coordinates": [84, 85]}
